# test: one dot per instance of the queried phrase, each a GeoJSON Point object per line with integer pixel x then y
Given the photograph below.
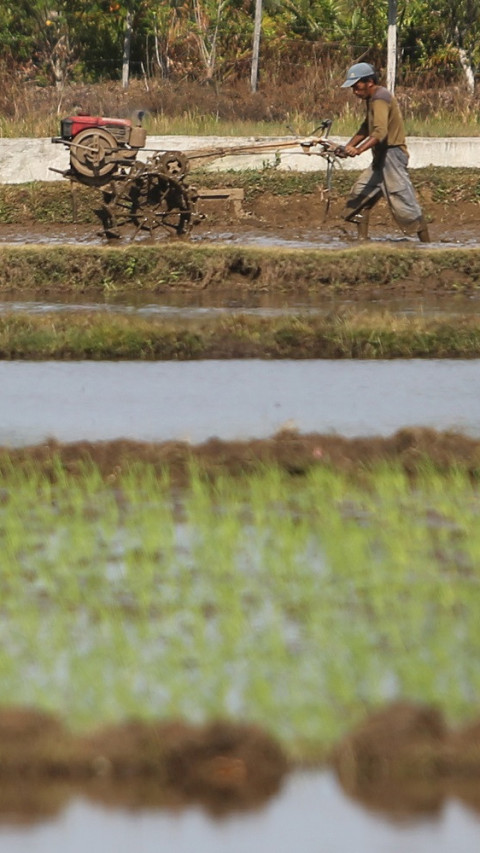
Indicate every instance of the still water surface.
{"type": "Point", "coordinates": [158, 401]}
{"type": "Point", "coordinates": [198, 306]}
{"type": "Point", "coordinates": [310, 815]}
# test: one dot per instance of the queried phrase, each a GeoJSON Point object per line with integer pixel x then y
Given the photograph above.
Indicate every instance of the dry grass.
{"type": "Point", "coordinates": [185, 106]}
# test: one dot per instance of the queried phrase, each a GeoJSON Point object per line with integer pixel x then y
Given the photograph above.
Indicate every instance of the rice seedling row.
{"type": "Point", "coordinates": [297, 603]}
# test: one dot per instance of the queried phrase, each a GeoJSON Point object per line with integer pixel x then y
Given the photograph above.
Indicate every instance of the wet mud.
{"type": "Point", "coordinates": [298, 221]}
{"type": "Point", "coordinates": [290, 221]}
{"type": "Point", "coordinates": [404, 760]}
{"type": "Point", "coordinates": [221, 766]}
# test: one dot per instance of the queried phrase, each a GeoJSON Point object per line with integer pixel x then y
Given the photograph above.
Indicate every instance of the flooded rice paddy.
{"type": "Point", "coordinates": [194, 401]}
{"type": "Point", "coordinates": [293, 601]}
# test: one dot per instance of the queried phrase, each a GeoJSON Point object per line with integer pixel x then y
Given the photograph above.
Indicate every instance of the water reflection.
{"type": "Point", "coordinates": [182, 306]}
{"type": "Point", "coordinates": [310, 815]}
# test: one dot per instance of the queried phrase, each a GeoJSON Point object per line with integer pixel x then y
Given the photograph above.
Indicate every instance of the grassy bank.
{"type": "Point", "coordinates": [99, 336]}
{"type": "Point", "coordinates": [98, 271]}
{"type": "Point", "coordinates": [296, 603]}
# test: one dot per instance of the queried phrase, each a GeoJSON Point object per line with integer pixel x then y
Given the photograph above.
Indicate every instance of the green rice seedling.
{"type": "Point", "coordinates": [293, 601]}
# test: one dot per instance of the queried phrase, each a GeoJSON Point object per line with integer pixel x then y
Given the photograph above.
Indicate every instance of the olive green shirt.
{"type": "Point", "coordinates": [384, 122]}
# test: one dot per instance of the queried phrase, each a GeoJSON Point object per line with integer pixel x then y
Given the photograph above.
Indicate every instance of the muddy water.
{"type": "Point", "coordinates": [310, 815]}
{"type": "Point", "coordinates": [157, 401]}
{"type": "Point", "coordinates": [333, 235]}
{"type": "Point", "coordinates": [183, 306]}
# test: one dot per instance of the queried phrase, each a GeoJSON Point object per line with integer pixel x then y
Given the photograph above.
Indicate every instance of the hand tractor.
{"type": "Point", "coordinates": [154, 194]}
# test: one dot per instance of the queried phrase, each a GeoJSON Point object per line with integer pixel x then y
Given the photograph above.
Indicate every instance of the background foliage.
{"type": "Point", "coordinates": [52, 41]}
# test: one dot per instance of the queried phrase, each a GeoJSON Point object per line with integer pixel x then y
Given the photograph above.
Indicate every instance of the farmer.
{"type": "Point", "coordinates": [381, 131]}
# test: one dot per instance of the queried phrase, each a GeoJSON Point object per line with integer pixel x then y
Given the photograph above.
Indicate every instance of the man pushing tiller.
{"type": "Point", "coordinates": [381, 131]}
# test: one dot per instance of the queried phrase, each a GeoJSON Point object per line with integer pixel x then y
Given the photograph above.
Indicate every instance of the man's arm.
{"type": "Point", "coordinates": [363, 141]}
{"type": "Point", "coordinates": [359, 144]}
{"type": "Point", "coordinates": [362, 133]}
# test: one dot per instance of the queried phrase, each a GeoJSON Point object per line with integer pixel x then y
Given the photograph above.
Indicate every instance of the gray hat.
{"type": "Point", "coordinates": [357, 72]}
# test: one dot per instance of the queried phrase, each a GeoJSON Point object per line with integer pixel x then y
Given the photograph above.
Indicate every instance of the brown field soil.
{"type": "Point", "coordinates": [288, 216]}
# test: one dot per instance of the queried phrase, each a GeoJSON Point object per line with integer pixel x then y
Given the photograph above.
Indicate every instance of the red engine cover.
{"type": "Point", "coordinates": [74, 124]}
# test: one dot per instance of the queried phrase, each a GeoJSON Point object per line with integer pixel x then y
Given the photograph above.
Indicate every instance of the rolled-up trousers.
{"type": "Point", "coordinates": [388, 179]}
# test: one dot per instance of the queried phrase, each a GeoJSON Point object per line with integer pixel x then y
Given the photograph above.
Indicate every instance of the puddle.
{"type": "Point", "coordinates": [193, 401]}
{"type": "Point", "coordinates": [311, 814]}
{"type": "Point", "coordinates": [327, 240]}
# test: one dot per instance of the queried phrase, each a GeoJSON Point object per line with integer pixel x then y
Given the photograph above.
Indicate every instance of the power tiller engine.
{"type": "Point", "coordinates": [100, 147]}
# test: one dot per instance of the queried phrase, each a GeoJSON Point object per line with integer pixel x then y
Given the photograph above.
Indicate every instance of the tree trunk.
{"type": "Point", "coordinates": [392, 45]}
{"type": "Point", "coordinates": [127, 41]}
{"type": "Point", "coordinates": [256, 44]}
{"type": "Point", "coordinates": [467, 70]}
{"type": "Point", "coordinates": [162, 60]}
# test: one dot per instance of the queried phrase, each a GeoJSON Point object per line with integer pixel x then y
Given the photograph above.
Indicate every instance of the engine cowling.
{"type": "Point", "coordinates": [98, 145]}
{"type": "Point", "coordinates": [121, 129]}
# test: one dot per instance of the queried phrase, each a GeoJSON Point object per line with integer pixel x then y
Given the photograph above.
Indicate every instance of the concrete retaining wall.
{"type": "Point", "coordinates": [26, 160]}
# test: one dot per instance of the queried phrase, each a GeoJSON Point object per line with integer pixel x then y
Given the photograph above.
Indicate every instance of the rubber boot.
{"type": "Point", "coordinates": [362, 221]}
{"type": "Point", "coordinates": [422, 231]}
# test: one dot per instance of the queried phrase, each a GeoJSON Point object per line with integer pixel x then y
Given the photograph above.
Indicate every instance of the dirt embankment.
{"type": "Point", "coordinates": [341, 334]}
{"type": "Point", "coordinates": [412, 449]}
{"type": "Point", "coordinates": [222, 766]}
{"type": "Point", "coordinates": [365, 271]}
{"type": "Point", "coordinates": [403, 759]}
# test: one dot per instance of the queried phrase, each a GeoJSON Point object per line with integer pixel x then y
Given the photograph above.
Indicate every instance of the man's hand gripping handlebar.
{"type": "Point", "coordinates": [326, 145]}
